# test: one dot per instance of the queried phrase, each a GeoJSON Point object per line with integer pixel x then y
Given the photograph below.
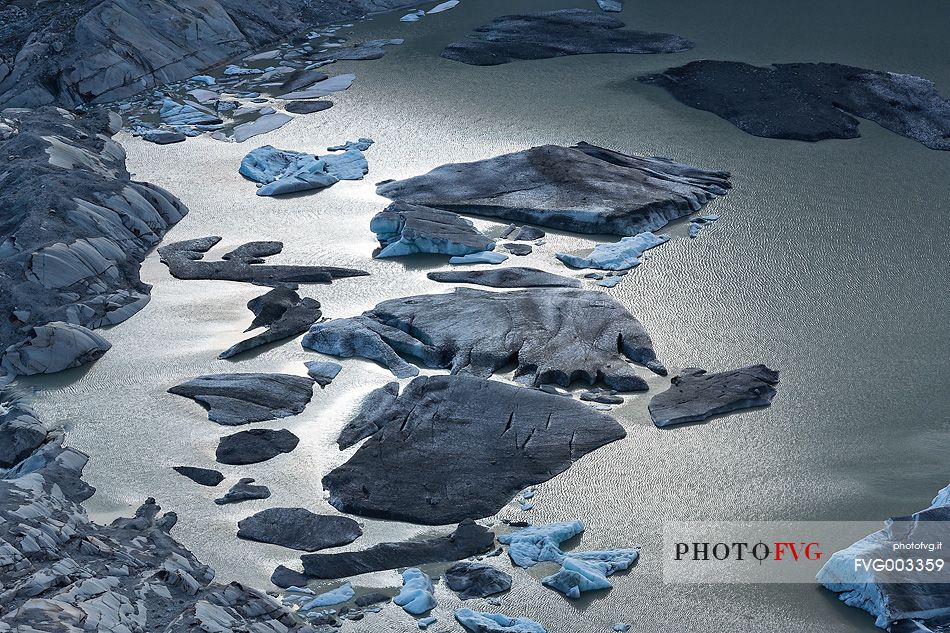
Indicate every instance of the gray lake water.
{"type": "Point", "coordinates": [829, 264]}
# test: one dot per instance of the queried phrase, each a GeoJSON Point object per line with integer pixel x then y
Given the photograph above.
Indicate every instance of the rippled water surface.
{"type": "Point", "coordinates": [829, 264]}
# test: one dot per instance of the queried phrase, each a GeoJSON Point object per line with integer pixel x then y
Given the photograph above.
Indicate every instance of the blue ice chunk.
{"type": "Point", "coordinates": [485, 257]}
{"type": "Point", "coordinates": [362, 145]}
{"type": "Point", "coordinates": [697, 224]}
{"type": "Point", "coordinates": [417, 594]}
{"type": "Point", "coordinates": [588, 571]}
{"type": "Point", "coordinates": [610, 282]}
{"type": "Point", "coordinates": [174, 113]}
{"type": "Point", "coordinates": [444, 6]}
{"type": "Point", "coordinates": [284, 171]}
{"type": "Point", "coordinates": [481, 622]}
{"type": "Point", "coordinates": [531, 545]}
{"type": "Point", "coordinates": [622, 255]}
{"type": "Point", "coordinates": [337, 596]}
{"type": "Point", "coordinates": [425, 623]}
{"type": "Point", "coordinates": [621, 627]}
{"type": "Point", "coordinates": [412, 17]}
{"type": "Point", "coordinates": [207, 80]}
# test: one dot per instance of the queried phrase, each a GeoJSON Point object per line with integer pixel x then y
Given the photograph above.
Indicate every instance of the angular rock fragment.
{"type": "Point", "coordinates": [811, 102]}
{"type": "Point", "coordinates": [244, 490]}
{"type": "Point", "coordinates": [555, 34]}
{"type": "Point", "coordinates": [583, 188]}
{"type": "Point", "coordinates": [53, 348]}
{"type": "Point", "coordinates": [236, 399]}
{"type": "Point", "coordinates": [468, 539]}
{"type": "Point", "coordinates": [474, 444]}
{"type": "Point", "coordinates": [904, 598]}
{"type": "Point", "coordinates": [510, 277]}
{"type": "Point", "coordinates": [323, 372]}
{"type": "Point", "coordinates": [299, 529]}
{"type": "Point", "coordinates": [405, 229]}
{"type": "Point", "coordinates": [622, 255]}
{"type": "Point", "coordinates": [555, 335]}
{"type": "Point", "coordinates": [245, 263]}
{"type": "Point", "coordinates": [254, 446]}
{"type": "Point", "coordinates": [696, 395]}
{"type": "Point", "coordinates": [476, 580]}
{"type": "Point", "coordinates": [283, 313]}
{"type": "Point", "coordinates": [201, 476]}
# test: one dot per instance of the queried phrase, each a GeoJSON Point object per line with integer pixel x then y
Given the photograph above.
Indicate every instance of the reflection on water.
{"type": "Point", "coordinates": [829, 264]}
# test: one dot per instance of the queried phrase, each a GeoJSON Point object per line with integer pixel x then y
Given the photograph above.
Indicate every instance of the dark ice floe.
{"type": "Point", "coordinates": [323, 372]}
{"type": "Point", "coordinates": [555, 34]}
{"type": "Point", "coordinates": [583, 188]}
{"type": "Point", "coordinates": [483, 622]}
{"type": "Point", "coordinates": [508, 277]}
{"type": "Point", "coordinates": [201, 476]}
{"type": "Point", "coordinates": [244, 490]}
{"type": "Point", "coordinates": [298, 528]}
{"type": "Point", "coordinates": [811, 102]}
{"type": "Point", "coordinates": [283, 313]}
{"type": "Point", "coordinates": [696, 395]}
{"type": "Point", "coordinates": [52, 348]}
{"type": "Point", "coordinates": [555, 335]}
{"type": "Point", "coordinates": [902, 601]}
{"type": "Point", "coordinates": [476, 580]}
{"type": "Point", "coordinates": [476, 443]}
{"type": "Point", "coordinates": [244, 263]}
{"type": "Point", "coordinates": [236, 399]}
{"type": "Point", "coordinates": [254, 446]}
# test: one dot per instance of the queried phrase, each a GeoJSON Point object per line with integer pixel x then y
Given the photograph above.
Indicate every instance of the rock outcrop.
{"type": "Point", "coordinates": [555, 335]}
{"type": "Point", "coordinates": [510, 277]}
{"type": "Point", "coordinates": [245, 263]}
{"type": "Point", "coordinates": [283, 313]}
{"type": "Point", "coordinates": [811, 102]}
{"type": "Point", "coordinates": [405, 229]}
{"type": "Point", "coordinates": [583, 188]}
{"type": "Point", "coordinates": [907, 600]}
{"type": "Point", "coordinates": [73, 233]}
{"type": "Point", "coordinates": [556, 34]}
{"type": "Point", "coordinates": [299, 529]}
{"type": "Point", "coordinates": [468, 539]}
{"type": "Point", "coordinates": [473, 445]}
{"type": "Point", "coordinates": [696, 395]}
{"type": "Point", "coordinates": [236, 399]}
{"type": "Point", "coordinates": [94, 51]}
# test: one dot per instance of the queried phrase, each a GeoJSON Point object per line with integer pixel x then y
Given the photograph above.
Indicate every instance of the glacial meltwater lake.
{"type": "Point", "coordinates": [830, 264]}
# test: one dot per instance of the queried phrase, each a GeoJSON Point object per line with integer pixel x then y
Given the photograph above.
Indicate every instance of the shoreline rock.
{"type": "Point", "coordinates": [583, 188]}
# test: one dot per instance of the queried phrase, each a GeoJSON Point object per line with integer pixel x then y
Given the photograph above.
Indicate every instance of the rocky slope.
{"type": "Point", "coordinates": [93, 51]}
{"type": "Point", "coordinates": [74, 229]}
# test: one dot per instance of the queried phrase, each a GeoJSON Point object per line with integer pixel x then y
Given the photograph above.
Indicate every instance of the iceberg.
{"type": "Point", "coordinates": [417, 594]}
{"type": "Point", "coordinates": [622, 255]}
{"type": "Point", "coordinates": [479, 622]}
{"type": "Point", "coordinates": [485, 257]}
{"type": "Point", "coordinates": [284, 171]}
{"type": "Point", "coordinates": [337, 596]}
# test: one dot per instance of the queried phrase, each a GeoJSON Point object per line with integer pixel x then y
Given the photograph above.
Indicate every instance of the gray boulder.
{"type": "Point", "coordinates": [244, 490]}
{"type": "Point", "coordinates": [473, 445]}
{"type": "Point", "coordinates": [468, 539]}
{"type": "Point", "coordinates": [299, 529]}
{"type": "Point", "coordinates": [73, 234]}
{"type": "Point", "coordinates": [405, 229]}
{"type": "Point", "coordinates": [21, 433]}
{"type": "Point", "coordinates": [201, 476]}
{"type": "Point", "coordinates": [254, 446]}
{"type": "Point", "coordinates": [476, 580]}
{"type": "Point", "coordinates": [236, 399]}
{"type": "Point", "coordinates": [510, 277]}
{"type": "Point", "coordinates": [583, 188]}
{"type": "Point", "coordinates": [811, 102]}
{"type": "Point", "coordinates": [245, 263]}
{"type": "Point", "coordinates": [555, 335]}
{"type": "Point", "coordinates": [555, 34]}
{"type": "Point", "coordinates": [52, 348]}
{"type": "Point", "coordinates": [696, 395]}
{"type": "Point", "coordinates": [283, 313]}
